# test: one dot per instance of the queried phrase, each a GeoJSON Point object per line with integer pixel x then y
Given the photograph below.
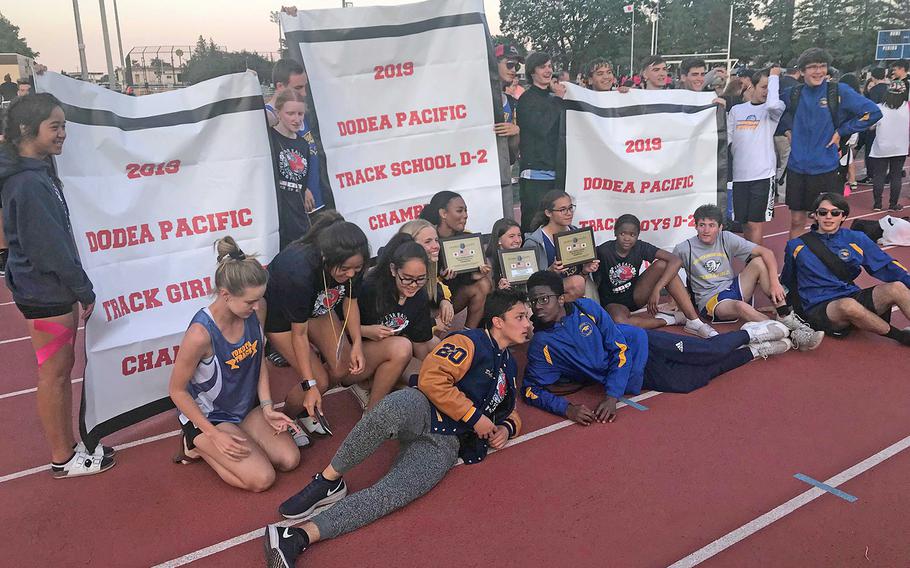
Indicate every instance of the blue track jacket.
{"type": "Point", "coordinates": [586, 346]}
{"type": "Point", "coordinates": [812, 127]}
{"type": "Point", "coordinates": [816, 284]}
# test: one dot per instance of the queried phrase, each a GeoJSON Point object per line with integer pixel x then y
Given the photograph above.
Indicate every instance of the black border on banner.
{"type": "Point", "coordinates": [121, 421]}
{"type": "Point", "coordinates": [294, 39]}
{"type": "Point", "coordinates": [98, 117]}
{"type": "Point", "coordinates": [645, 109]}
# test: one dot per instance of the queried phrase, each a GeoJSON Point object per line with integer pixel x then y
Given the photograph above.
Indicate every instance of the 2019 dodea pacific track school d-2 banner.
{"type": "Point", "coordinates": [405, 107]}
{"type": "Point", "coordinates": [151, 183]}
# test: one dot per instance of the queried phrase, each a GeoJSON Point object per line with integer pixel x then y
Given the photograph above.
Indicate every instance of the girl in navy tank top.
{"type": "Point", "coordinates": [221, 387]}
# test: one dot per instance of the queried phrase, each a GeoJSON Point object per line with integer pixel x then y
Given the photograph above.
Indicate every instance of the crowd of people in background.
{"type": "Point", "coordinates": [337, 316]}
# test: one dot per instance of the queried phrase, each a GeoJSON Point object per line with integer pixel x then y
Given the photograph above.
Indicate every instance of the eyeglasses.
{"type": "Point", "coordinates": [826, 212]}
{"type": "Point", "coordinates": [541, 300]}
{"type": "Point", "coordinates": [513, 65]}
{"type": "Point", "coordinates": [816, 67]}
{"type": "Point", "coordinates": [411, 281]}
{"type": "Point", "coordinates": [568, 209]}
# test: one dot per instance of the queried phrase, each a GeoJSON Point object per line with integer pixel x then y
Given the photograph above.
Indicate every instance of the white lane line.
{"type": "Point", "coordinates": [852, 193]}
{"type": "Point", "coordinates": [781, 511]}
{"type": "Point", "coordinates": [257, 533]}
{"type": "Point", "coordinates": [5, 341]}
{"type": "Point", "coordinates": [143, 441]}
{"type": "Point", "coordinates": [7, 304]}
{"type": "Point", "coordinates": [31, 390]}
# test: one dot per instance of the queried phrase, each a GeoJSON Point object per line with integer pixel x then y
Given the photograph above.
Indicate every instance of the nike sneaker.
{"type": "Point", "coordinates": [319, 493]}
{"type": "Point", "coordinates": [283, 545]}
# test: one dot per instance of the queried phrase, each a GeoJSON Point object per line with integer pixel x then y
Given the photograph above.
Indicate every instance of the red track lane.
{"type": "Point", "coordinates": [833, 532]}
{"type": "Point", "coordinates": [650, 488]}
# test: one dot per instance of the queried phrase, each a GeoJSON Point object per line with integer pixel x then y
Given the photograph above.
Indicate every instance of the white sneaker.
{"type": "Point", "coordinates": [300, 436]}
{"type": "Point", "coordinates": [806, 339]}
{"type": "Point", "coordinates": [83, 463]}
{"type": "Point", "coordinates": [767, 330]}
{"type": "Point", "coordinates": [699, 328]}
{"type": "Point", "coordinates": [767, 348]}
{"type": "Point", "coordinates": [361, 394]}
{"type": "Point", "coordinates": [312, 426]}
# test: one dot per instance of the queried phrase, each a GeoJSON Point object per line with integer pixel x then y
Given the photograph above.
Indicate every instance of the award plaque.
{"type": "Point", "coordinates": [518, 264]}
{"type": "Point", "coordinates": [462, 253]}
{"type": "Point", "coordinates": [575, 247]}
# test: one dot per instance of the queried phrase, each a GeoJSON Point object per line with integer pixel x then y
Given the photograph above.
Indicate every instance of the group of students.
{"type": "Point", "coordinates": [339, 319]}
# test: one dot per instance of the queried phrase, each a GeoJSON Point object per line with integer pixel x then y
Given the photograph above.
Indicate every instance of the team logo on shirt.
{"type": "Point", "coordinates": [395, 321]}
{"type": "Point", "coordinates": [844, 254]}
{"type": "Point", "coordinates": [823, 102]}
{"type": "Point", "coordinates": [292, 165]}
{"type": "Point", "coordinates": [326, 300]}
{"type": "Point", "coordinates": [749, 123]}
{"type": "Point", "coordinates": [245, 351]}
{"type": "Point", "coordinates": [621, 276]}
{"type": "Point", "coordinates": [712, 265]}
{"type": "Point", "coordinates": [500, 393]}
{"type": "Point", "coordinates": [585, 328]}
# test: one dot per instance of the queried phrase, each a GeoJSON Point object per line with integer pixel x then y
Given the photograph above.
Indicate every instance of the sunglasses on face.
{"type": "Point", "coordinates": [513, 65]}
{"type": "Point", "coordinates": [826, 212]}
{"type": "Point", "coordinates": [541, 300]}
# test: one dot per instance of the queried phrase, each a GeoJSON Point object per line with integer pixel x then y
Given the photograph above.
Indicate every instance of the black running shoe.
{"type": "Point", "coordinates": [4, 254]}
{"type": "Point", "coordinates": [318, 493]}
{"type": "Point", "coordinates": [283, 545]}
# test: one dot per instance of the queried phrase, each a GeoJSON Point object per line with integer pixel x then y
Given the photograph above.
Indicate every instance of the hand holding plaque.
{"type": "Point", "coordinates": [462, 253]}
{"type": "Point", "coordinates": [518, 264]}
{"type": "Point", "coordinates": [575, 247]}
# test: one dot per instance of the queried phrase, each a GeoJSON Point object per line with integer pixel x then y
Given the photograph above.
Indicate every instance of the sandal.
{"type": "Point", "coordinates": [186, 456]}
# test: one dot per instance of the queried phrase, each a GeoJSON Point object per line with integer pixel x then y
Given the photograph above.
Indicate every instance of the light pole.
{"type": "Point", "coordinates": [632, 47]}
{"type": "Point", "coordinates": [729, 39]}
{"type": "Point", "coordinates": [80, 43]}
{"type": "Point", "coordinates": [119, 41]}
{"type": "Point", "coordinates": [111, 79]}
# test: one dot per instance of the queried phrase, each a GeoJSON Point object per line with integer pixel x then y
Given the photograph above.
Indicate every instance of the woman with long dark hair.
{"type": "Point", "coordinates": [555, 216]}
{"type": "Point", "coordinates": [424, 233]}
{"type": "Point", "coordinates": [505, 235]}
{"type": "Point", "coordinates": [44, 273]}
{"type": "Point", "coordinates": [448, 212]}
{"type": "Point", "coordinates": [395, 307]}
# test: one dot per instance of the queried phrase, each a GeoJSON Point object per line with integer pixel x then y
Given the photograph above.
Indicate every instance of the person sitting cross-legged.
{"type": "Point", "coordinates": [577, 342]}
{"type": "Point", "coordinates": [464, 404]}
{"type": "Point", "coordinates": [625, 288]}
{"type": "Point", "coordinates": [726, 296]}
{"type": "Point", "coordinates": [834, 303]}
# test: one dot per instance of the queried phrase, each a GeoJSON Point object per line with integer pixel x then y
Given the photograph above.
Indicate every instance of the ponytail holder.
{"type": "Point", "coordinates": [237, 255]}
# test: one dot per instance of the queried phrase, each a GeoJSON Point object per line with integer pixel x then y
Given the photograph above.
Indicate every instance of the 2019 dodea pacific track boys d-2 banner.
{"type": "Point", "coordinates": [655, 154]}
{"type": "Point", "coordinates": [151, 183]}
{"type": "Point", "coordinates": [405, 108]}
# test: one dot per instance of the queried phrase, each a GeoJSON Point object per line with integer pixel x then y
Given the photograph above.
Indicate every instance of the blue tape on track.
{"type": "Point", "coordinates": [826, 487]}
{"type": "Point", "coordinates": [633, 404]}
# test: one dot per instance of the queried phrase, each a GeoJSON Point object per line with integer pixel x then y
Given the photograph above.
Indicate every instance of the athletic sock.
{"type": "Point", "coordinates": [670, 319]}
{"type": "Point", "coordinates": [784, 311]}
{"type": "Point", "coordinates": [754, 350]}
{"type": "Point", "coordinates": [898, 335]}
{"type": "Point", "coordinates": [56, 465]}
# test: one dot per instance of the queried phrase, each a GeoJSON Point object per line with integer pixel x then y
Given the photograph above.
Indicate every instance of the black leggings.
{"type": "Point", "coordinates": [880, 167]}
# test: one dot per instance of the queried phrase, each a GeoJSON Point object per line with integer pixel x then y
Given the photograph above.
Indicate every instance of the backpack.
{"type": "Point", "coordinates": [833, 100]}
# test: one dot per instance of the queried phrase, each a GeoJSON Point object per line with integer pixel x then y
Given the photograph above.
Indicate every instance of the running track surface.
{"type": "Point", "coordinates": [709, 473]}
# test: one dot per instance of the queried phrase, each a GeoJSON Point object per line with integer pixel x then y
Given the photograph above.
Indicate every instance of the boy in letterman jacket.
{"type": "Point", "coordinates": [464, 404]}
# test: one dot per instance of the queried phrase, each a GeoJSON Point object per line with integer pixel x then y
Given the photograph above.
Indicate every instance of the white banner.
{"type": "Point", "coordinates": [653, 154]}
{"type": "Point", "coordinates": [404, 103]}
{"type": "Point", "coordinates": [151, 183]}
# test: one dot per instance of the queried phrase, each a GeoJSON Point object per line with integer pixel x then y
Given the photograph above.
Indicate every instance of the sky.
{"type": "Point", "coordinates": [235, 24]}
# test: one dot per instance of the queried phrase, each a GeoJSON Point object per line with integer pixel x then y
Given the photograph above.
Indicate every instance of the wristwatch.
{"type": "Point", "coordinates": [307, 384]}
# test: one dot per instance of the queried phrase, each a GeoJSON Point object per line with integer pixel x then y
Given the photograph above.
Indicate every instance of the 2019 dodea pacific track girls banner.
{"type": "Point", "coordinates": [151, 183]}
{"type": "Point", "coordinates": [405, 108]}
{"type": "Point", "coordinates": [655, 154]}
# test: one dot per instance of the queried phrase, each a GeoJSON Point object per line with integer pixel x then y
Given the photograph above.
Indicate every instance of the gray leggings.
{"type": "Point", "coordinates": [422, 462]}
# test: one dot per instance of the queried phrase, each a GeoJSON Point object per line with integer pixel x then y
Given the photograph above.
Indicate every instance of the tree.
{"type": "Point", "coordinates": [209, 60]}
{"type": "Point", "coordinates": [10, 42]}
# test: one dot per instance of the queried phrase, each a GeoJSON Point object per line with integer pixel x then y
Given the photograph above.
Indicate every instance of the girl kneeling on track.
{"type": "Point", "coordinates": [448, 212]}
{"type": "Point", "coordinates": [424, 233]}
{"type": "Point", "coordinates": [219, 379]}
{"type": "Point", "coordinates": [43, 271]}
{"type": "Point", "coordinates": [395, 308]}
{"type": "Point", "coordinates": [555, 216]}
